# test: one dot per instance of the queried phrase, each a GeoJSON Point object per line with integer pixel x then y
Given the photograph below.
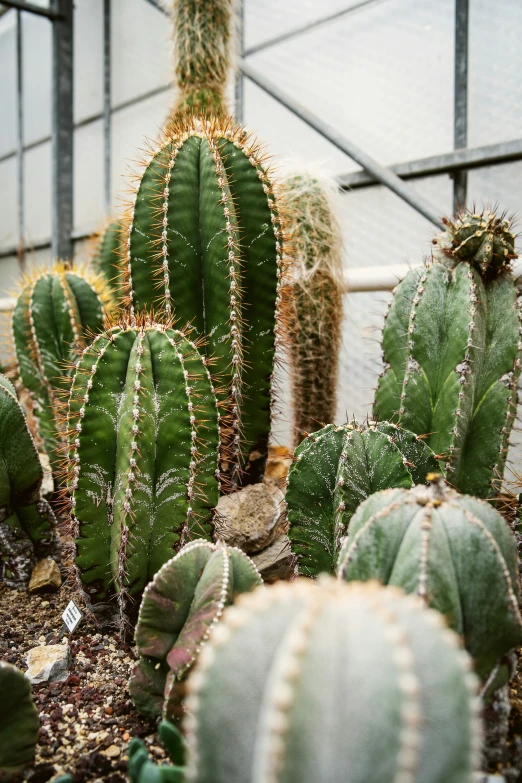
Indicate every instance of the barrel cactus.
{"type": "Point", "coordinates": [452, 349]}
{"type": "Point", "coordinates": [337, 468]}
{"type": "Point", "coordinates": [55, 312]}
{"type": "Point", "coordinates": [332, 682]}
{"type": "Point", "coordinates": [316, 303]}
{"type": "Point", "coordinates": [107, 256]}
{"type": "Point", "coordinates": [214, 260]}
{"type": "Point", "coordinates": [180, 608]}
{"type": "Point", "coordinates": [19, 722]}
{"type": "Point", "coordinates": [27, 524]}
{"type": "Point", "coordinates": [143, 455]}
{"type": "Point", "coordinates": [434, 542]}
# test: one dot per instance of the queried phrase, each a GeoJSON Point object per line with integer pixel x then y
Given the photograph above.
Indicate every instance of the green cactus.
{"type": "Point", "coordinates": [54, 313]}
{"type": "Point", "coordinates": [202, 42]}
{"type": "Point", "coordinates": [316, 303]}
{"type": "Point", "coordinates": [452, 347]}
{"type": "Point", "coordinates": [434, 542]}
{"type": "Point", "coordinates": [107, 256]}
{"type": "Point", "coordinates": [142, 770]}
{"type": "Point", "coordinates": [27, 524]}
{"type": "Point", "coordinates": [328, 683]}
{"type": "Point", "coordinates": [180, 607]}
{"type": "Point", "coordinates": [334, 470]}
{"type": "Point", "coordinates": [143, 455]}
{"type": "Point", "coordinates": [214, 260]}
{"type": "Point", "coordinates": [19, 722]}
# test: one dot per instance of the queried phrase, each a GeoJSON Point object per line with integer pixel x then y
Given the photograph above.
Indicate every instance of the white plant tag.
{"type": "Point", "coordinates": [71, 616]}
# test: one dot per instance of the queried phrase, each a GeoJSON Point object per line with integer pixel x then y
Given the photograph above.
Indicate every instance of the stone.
{"type": "Point", "coordinates": [45, 577]}
{"type": "Point", "coordinates": [279, 461]}
{"type": "Point", "coordinates": [250, 519]}
{"type": "Point", "coordinates": [48, 663]}
{"type": "Point", "coordinates": [112, 752]}
{"type": "Point", "coordinates": [47, 487]}
{"type": "Point", "coordinates": [276, 561]}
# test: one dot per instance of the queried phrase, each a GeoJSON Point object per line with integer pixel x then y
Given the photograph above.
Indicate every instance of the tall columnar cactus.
{"type": "Point", "coordinates": [337, 468]}
{"type": "Point", "coordinates": [27, 524]}
{"type": "Point", "coordinates": [19, 722]}
{"type": "Point", "coordinates": [202, 39]}
{"type": "Point", "coordinates": [434, 542]}
{"type": "Point", "coordinates": [204, 247]}
{"type": "Point", "coordinates": [316, 304]}
{"type": "Point", "coordinates": [107, 255]}
{"type": "Point", "coordinates": [180, 607]}
{"type": "Point", "coordinates": [53, 315]}
{"type": "Point", "coordinates": [143, 455]}
{"type": "Point", "coordinates": [330, 683]}
{"type": "Point", "coordinates": [452, 348]}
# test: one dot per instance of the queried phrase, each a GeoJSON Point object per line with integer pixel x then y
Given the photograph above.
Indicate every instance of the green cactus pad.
{"type": "Point", "coordinates": [452, 350]}
{"type": "Point", "coordinates": [177, 613]}
{"type": "Point", "coordinates": [107, 256]}
{"type": "Point", "coordinates": [433, 542]}
{"type": "Point", "coordinates": [19, 722]}
{"type": "Point", "coordinates": [211, 257]}
{"type": "Point", "coordinates": [328, 683]}
{"type": "Point", "coordinates": [335, 469]}
{"type": "Point", "coordinates": [143, 455]}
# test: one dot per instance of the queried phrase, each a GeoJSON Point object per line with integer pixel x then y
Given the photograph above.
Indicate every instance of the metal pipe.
{"type": "Point", "coordinates": [31, 8]}
{"type": "Point", "coordinates": [460, 119]}
{"type": "Point", "coordinates": [107, 102]}
{"type": "Point", "coordinates": [20, 141]}
{"type": "Point", "coordinates": [381, 173]}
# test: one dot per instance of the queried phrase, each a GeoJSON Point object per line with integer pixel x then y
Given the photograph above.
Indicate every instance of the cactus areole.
{"type": "Point", "coordinates": [205, 247]}
{"type": "Point", "coordinates": [452, 352]}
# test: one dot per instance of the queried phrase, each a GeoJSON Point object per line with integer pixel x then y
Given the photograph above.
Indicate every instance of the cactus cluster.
{"type": "Point", "coordinates": [331, 682]}
{"type": "Point", "coordinates": [143, 455]}
{"type": "Point", "coordinates": [27, 524]}
{"type": "Point", "coordinates": [205, 247]}
{"type": "Point", "coordinates": [178, 612]}
{"type": "Point", "coordinates": [452, 352]}
{"type": "Point", "coordinates": [337, 468]}
{"type": "Point", "coordinates": [19, 722]}
{"type": "Point", "coordinates": [316, 305]}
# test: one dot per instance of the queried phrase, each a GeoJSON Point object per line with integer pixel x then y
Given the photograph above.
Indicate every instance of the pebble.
{"type": "Point", "coordinates": [48, 663]}
{"type": "Point", "coordinates": [112, 752]}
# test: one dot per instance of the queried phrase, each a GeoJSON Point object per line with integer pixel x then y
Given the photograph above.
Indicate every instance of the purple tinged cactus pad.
{"type": "Point", "coordinates": [178, 611]}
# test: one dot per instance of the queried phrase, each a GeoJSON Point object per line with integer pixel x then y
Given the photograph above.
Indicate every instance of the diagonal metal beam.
{"type": "Point", "coordinates": [384, 175]}
{"type": "Point", "coordinates": [49, 13]}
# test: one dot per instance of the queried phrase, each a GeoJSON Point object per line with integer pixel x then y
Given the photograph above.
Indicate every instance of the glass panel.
{"type": "Point", "coordinates": [88, 58]}
{"type": "Point", "coordinates": [37, 186]}
{"type": "Point", "coordinates": [8, 82]}
{"type": "Point", "coordinates": [8, 205]}
{"type": "Point", "coordinates": [37, 48]}
{"type": "Point", "coordinates": [89, 211]}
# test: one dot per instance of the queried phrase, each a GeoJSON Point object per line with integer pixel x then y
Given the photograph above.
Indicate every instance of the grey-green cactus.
{"type": "Point", "coordinates": [204, 246]}
{"type": "Point", "coordinates": [452, 348]}
{"type": "Point", "coordinates": [27, 524]}
{"type": "Point", "coordinates": [456, 552]}
{"type": "Point", "coordinates": [306, 683]}
{"type": "Point", "coordinates": [334, 470]}
{"type": "Point", "coordinates": [315, 302]}
{"type": "Point", "coordinates": [19, 722]}
{"type": "Point", "coordinates": [178, 612]}
{"type": "Point", "coordinates": [107, 256]}
{"type": "Point", "coordinates": [54, 313]}
{"type": "Point", "coordinates": [142, 770]}
{"type": "Point", "coordinates": [143, 455]}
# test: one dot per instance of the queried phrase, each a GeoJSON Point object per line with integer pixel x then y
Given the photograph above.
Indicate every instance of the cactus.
{"type": "Point", "coordinates": [328, 683]}
{"type": "Point", "coordinates": [19, 722]}
{"type": "Point", "coordinates": [178, 611]}
{"type": "Point", "coordinates": [55, 311]}
{"type": "Point", "coordinates": [214, 260]}
{"type": "Point", "coordinates": [334, 470]}
{"type": "Point", "coordinates": [434, 542]}
{"type": "Point", "coordinates": [142, 460]}
{"type": "Point", "coordinates": [316, 309]}
{"type": "Point", "coordinates": [107, 255]}
{"type": "Point", "coordinates": [202, 52]}
{"type": "Point", "coordinates": [27, 524]}
{"type": "Point", "coordinates": [142, 770]}
{"type": "Point", "coordinates": [452, 347]}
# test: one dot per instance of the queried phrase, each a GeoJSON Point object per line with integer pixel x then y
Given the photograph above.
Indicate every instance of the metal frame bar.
{"type": "Point", "coordinates": [107, 116]}
{"type": "Point", "coordinates": [460, 119]}
{"type": "Point", "coordinates": [31, 8]}
{"type": "Point", "coordinates": [20, 140]}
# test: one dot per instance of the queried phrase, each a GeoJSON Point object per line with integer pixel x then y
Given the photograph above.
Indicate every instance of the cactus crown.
{"type": "Point", "coordinates": [482, 239]}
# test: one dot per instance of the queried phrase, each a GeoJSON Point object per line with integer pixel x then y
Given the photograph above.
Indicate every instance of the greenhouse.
{"type": "Point", "coordinates": [260, 359]}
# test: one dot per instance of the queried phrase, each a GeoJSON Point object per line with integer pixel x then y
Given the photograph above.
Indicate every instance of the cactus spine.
{"type": "Point", "coordinates": [433, 542]}
{"type": "Point", "coordinates": [53, 315]}
{"type": "Point", "coordinates": [337, 468]}
{"type": "Point", "coordinates": [179, 609]}
{"type": "Point", "coordinates": [328, 679]}
{"type": "Point", "coordinates": [27, 524]}
{"type": "Point", "coordinates": [19, 722]}
{"type": "Point", "coordinates": [316, 310]}
{"type": "Point", "coordinates": [214, 260]}
{"type": "Point", "coordinates": [143, 455]}
{"type": "Point", "coordinates": [452, 350]}
{"type": "Point", "coordinates": [106, 258]}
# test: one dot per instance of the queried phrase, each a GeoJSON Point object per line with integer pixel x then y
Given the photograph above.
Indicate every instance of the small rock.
{"type": "Point", "coordinates": [112, 752]}
{"type": "Point", "coordinates": [278, 464]}
{"type": "Point", "coordinates": [108, 710]}
{"type": "Point", "coordinates": [47, 487]}
{"type": "Point", "coordinates": [277, 561]}
{"type": "Point", "coordinates": [48, 663]}
{"type": "Point", "coordinates": [45, 577]}
{"type": "Point", "coordinates": [126, 736]}
{"type": "Point", "coordinates": [251, 518]}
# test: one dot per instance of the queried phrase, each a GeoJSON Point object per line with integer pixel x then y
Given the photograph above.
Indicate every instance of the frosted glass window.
{"type": "Point", "coordinates": [8, 83]}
